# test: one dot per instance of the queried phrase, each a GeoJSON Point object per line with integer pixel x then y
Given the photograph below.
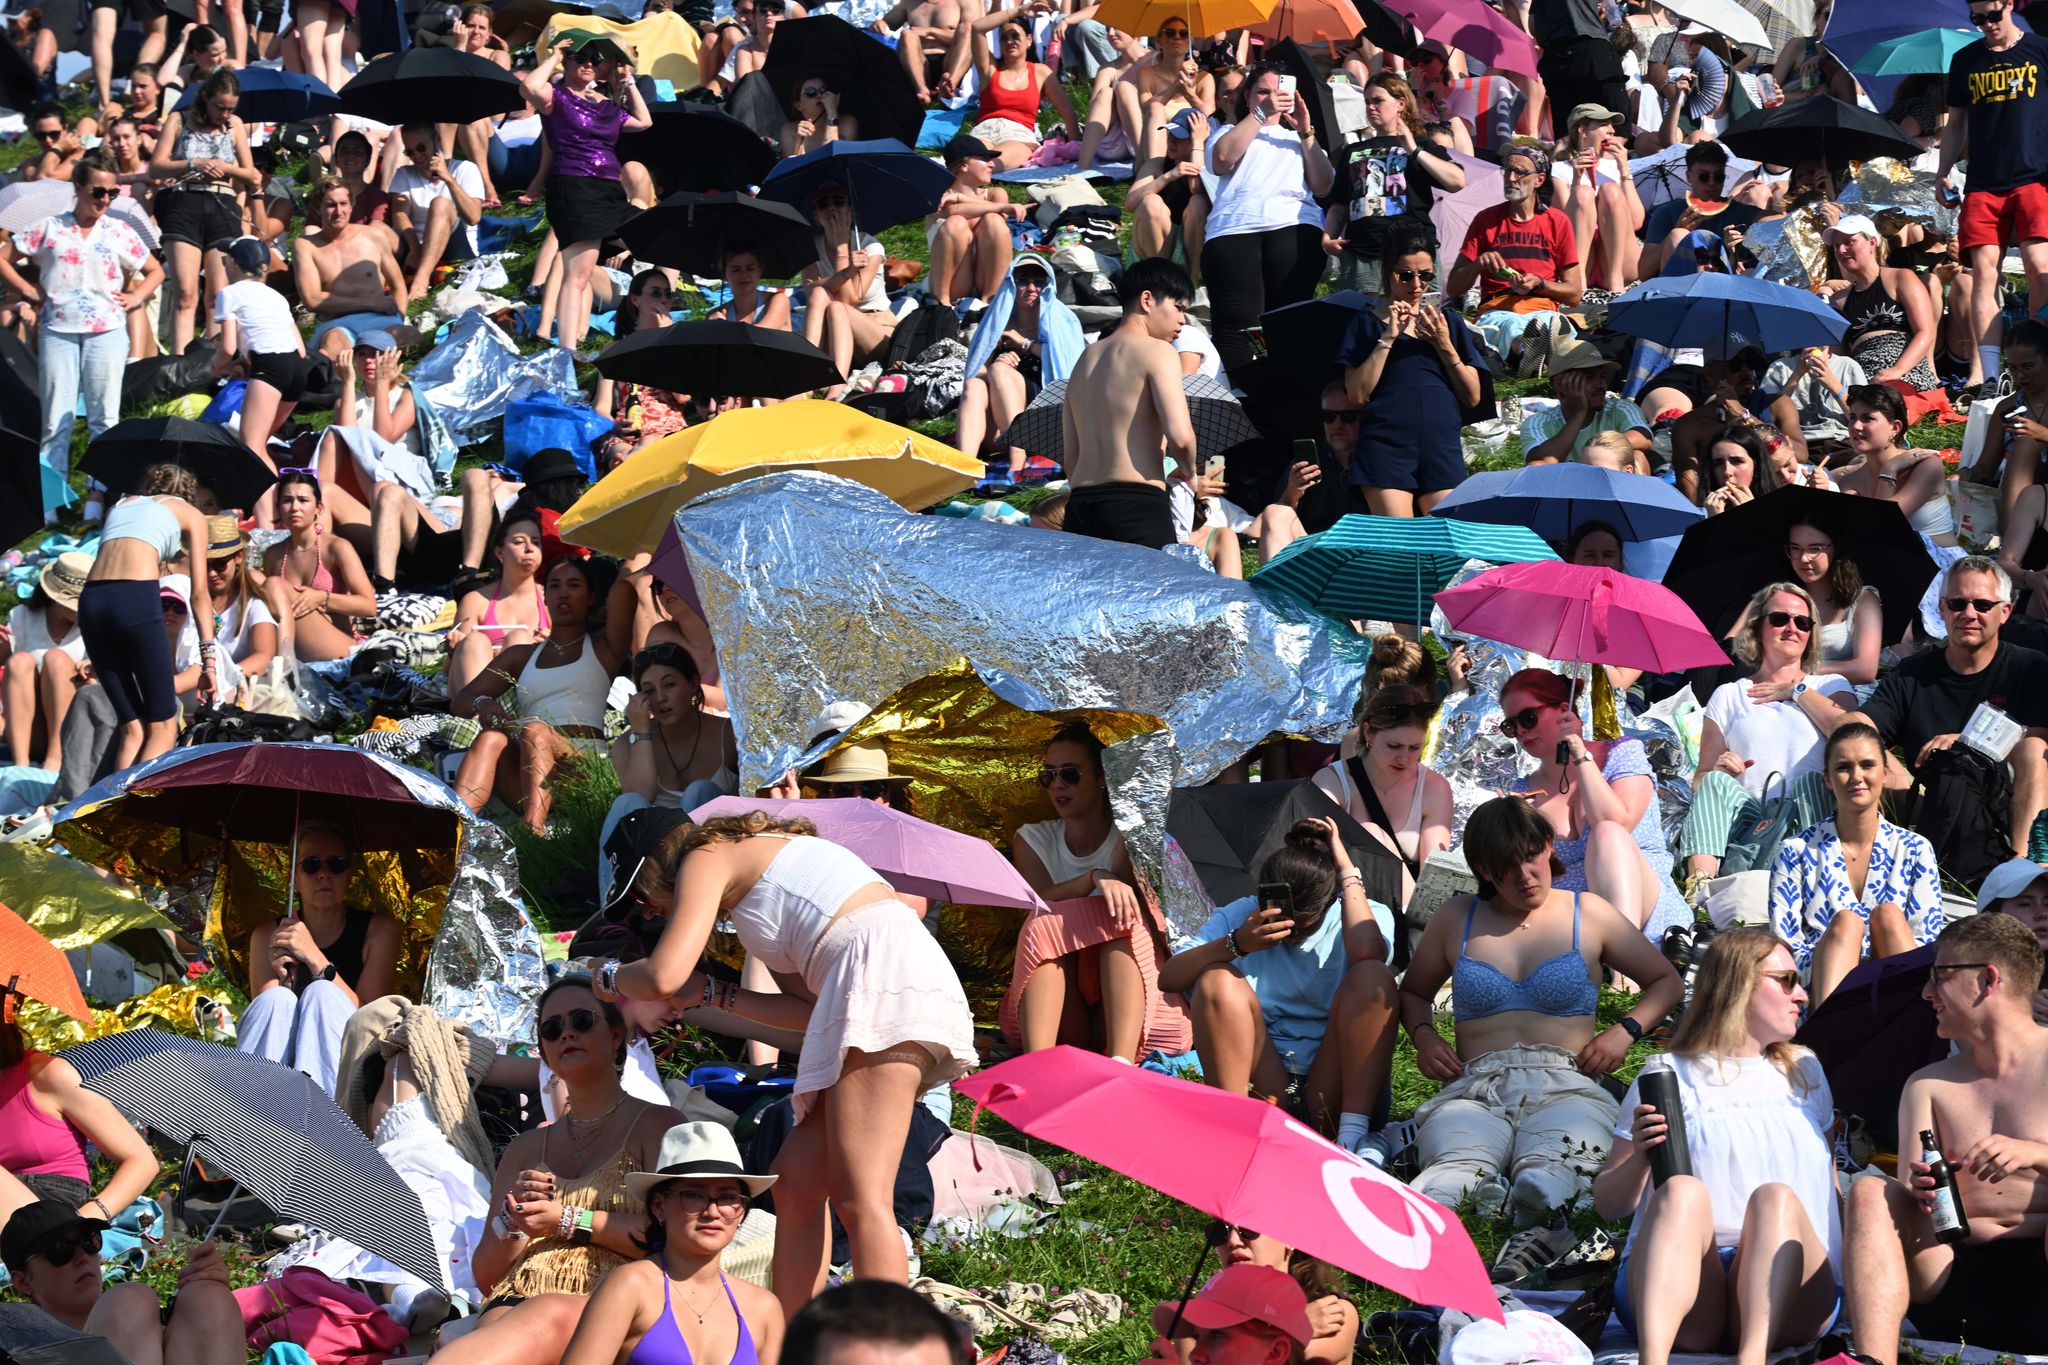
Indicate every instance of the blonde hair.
{"type": "Point", "coordinates": [1395, 662]}
{"type": "Point", "coordinates": [1747, 641]}
{"type": "Point", "coordinates": [1716, 1024]}
{"type": "Point", "coordinates": [1614, 441]}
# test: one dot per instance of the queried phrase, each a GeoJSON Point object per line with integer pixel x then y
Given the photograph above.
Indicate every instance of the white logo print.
{"type": "Point", "coordinates": [1410, 1247]}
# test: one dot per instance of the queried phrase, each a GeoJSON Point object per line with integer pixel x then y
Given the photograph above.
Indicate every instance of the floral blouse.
{"type": "Point", "coordinates": [83, 270]}
{"type": "Point", "coordinates": [1810, 885]}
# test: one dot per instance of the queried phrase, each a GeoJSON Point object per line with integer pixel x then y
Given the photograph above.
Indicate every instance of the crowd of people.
{"type": "Point", "coordinates": [1432, 244]}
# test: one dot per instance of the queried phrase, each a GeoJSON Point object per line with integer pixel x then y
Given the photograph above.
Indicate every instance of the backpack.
{"type": "Point", "coordinates": [1760, 826]}
{"type": "Point", "coordinates": [1965, 812]}
{"type": "Point", "coordinates": [232, 725]}
{"type": "Point", "coordinates": [930, 324]}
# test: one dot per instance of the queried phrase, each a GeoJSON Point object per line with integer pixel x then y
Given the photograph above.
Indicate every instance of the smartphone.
{"type": "Point", "coordinates": [1287, 84]}
{"type": "Point", "coordinates": [1306, 452]}
{"type": "Point", "coordinates": [1213, 466]}
{"type": "Point", "coordinates": [1277, 896]}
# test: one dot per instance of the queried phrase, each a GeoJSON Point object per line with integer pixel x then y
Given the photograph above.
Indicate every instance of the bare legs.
{"type": "Point", "coordinates": [1051, 1010]}
{"type": "Point", "coordinates": [573, 319]}
{"type": "Point", "coordinates": [1350, 1069]}
{"type": "Point", "coordinates": [988, 404]}
{"type": "Point", "coordinates": [535, 1332]}
{"type": "Point", "coordinates": [1842, 945]}
{"type": "Point", "coordinates": [1889, 1259]}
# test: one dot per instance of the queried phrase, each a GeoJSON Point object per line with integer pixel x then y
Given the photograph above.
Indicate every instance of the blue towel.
{"type": "Point", "coordinates": [940, 127]}
{"type": "Point", "coordinates": [497, 233]}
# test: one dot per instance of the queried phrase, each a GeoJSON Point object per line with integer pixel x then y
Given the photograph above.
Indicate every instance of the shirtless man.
{"type": "Point", "coordinates": [747, 56]}
{"type": "Point", "coordinates": [346, 272]}
{"type": "Point", "coordinates": [1988, 1107]}
{"type": "Point", "coordinates": [1126, 412]}
{"type": "Point", "coordinates": [1156, 88]}
{"type": "Point", "coordinates": [924, 31]}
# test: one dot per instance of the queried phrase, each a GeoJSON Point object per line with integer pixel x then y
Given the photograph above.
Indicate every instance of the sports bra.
{"type": "Point", "coordinates": [664, 1343]}
{"type": "Point", "coordinates": [147, 520]}
{"type": "Point", "coordinates": [491, 630]}
{"type": "Point", "coordinates": [1559, 986]}
{"type": "Point", "coordinates": [784, 914]}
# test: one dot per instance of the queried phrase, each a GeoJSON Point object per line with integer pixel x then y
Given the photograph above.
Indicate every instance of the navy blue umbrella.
{"type": "Point", "coordinates": [1555, 500]}
{"type": "Point", "coordinates": [887, 182]}
{"type": "Point", "coordinates": [276, 96]}
{"type": "Point", "coordinates": [1725, 313]}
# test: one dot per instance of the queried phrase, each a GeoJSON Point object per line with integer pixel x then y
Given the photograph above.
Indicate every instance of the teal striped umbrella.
{"type": "Point", "coordinates": [1387, 568]}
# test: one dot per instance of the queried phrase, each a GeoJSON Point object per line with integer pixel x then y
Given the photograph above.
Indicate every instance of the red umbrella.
{"type": "Point", "coordinates": [32, 967]}
{"type": "Point", "coordinates": [1575, 613]}
{"type": "Point", "coordinates": [1246, 1162]}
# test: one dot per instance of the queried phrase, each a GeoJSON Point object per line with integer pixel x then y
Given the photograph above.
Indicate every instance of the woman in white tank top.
{"type": "Point", "coordinates": [1413, 819]}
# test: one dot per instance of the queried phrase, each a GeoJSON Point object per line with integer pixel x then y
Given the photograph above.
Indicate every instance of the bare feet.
{"type": "Point", "coordinates": [538, 804]}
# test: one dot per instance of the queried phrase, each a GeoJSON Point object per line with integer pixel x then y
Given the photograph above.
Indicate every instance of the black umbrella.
{"type": "Point", "coordinates": [698, 147]}
{"type": "Point", "coordinates": [19, 88]}
{"type": "Point", "coordinates": [873, 86]}
{"type": "Point", "coordinates": [21, 401]}
{"type": "Point", "coordinates": [887, 182]}
{"type": "Point", "coordinates": [432, 85]}
{"type": "Point", "coordinates": [1302, 338]}
{"type": "Point", "coordinates": [1227, 830]}
{"type": "Point", "coordinates": [752, 102]}
{"type": "Point", "coordinates": [692, 231]}
{"type": "Point", "coordinates": [720, 359]}
{"type": "Point", "coordinates": [1872, 1033]}
{"type": "Point", "coordinates": [1309, 83]}
{"type": "Point", "coordinates": [21, 493]}
{"type": "Point", "coordinates": [273, 1130]}
{"type": "Point", "coordinates": [1823, 127]}
{"type": "Point", "coordinates": [1727, 558]}
{"type": "Point", "coordinates": [33, 1337]}
{"type": "Point", "coordinates": [215, 455]}
{"type": "Point", "coordinates": [1388, 30]}
{"type": "Point", "coordinates": [1221, 423]}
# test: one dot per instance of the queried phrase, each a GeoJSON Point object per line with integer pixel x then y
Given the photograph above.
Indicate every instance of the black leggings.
{"type": "Point", "coordinates": [122, 623]}
{"type": "Point", "coordinates": [1252, 273]}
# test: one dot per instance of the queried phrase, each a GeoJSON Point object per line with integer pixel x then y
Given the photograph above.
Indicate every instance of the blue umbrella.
{"type": "Point", "coordinates": [1387, 568]}
{"type": "Point", "coordinates": [887, 182]}
{"type": "Point", "coordinates": [1555, 500]}
{"type": "Point", "coordinates": [1926, 52]}
{"type": "Point", "coordinates": [1725, 313]}
{"type": "Point", "coordinates": [1853, 29]}
{"type": "Point", "coordinates": [276, 96]}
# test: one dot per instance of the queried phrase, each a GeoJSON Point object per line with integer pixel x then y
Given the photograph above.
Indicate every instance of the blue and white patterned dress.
{"type": "Point", "coordinates": [1810, 885]}
{"type": "Point", "coordinates": [1628, 758]}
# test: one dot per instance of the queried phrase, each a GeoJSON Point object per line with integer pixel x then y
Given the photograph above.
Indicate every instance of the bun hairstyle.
{"type": "Point", "coordinates": [1504, 833]}
{"type": "Point", "coordinates": [1304, 864]}
{"type": "Point", "coordinates": [1397, 662]}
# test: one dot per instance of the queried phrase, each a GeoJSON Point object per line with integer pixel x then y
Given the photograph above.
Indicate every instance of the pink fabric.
{"type": "Point", "coordinates": [332, 1323]}
{"type": "Point", "coordinates": [31, 1142]}
{"type": "Point", "coordinates": [1069, 927]}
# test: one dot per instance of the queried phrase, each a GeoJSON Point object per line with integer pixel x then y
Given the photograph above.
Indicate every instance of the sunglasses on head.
{"type": "Point", "coordinates": [575, 1021]}
{"type": "Point", "coordinates": [336, 863]}
{"type": "Point", "coordinates": [1426, 276]}
{"type": "Point", "coordinates": [1981, 605]}
{"type": "Point", "coordinates": [667, 655]}
{"type": "Point", "coordinates": [1778, 620]}
{"type": "Point", "coordinates": [1342, 414]}
{"type": "Point", "coordinates": [1068, 774]}
{"type": "Point", "coordinates": [62, 1251]}
{"type": "Point", "coordinates": [1521, 720]}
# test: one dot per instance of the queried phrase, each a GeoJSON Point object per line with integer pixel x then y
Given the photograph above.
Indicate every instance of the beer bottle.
{"type": "Point", "coordinates": [1951, 1221]}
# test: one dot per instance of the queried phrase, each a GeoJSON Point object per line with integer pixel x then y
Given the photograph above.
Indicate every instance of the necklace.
{"type": "Point", "coordinates": [696, 739]}
{"type": "Point", "coordinates": [577, 1143]}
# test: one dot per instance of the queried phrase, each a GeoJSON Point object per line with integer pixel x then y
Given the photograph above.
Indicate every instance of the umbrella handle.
{"type": "Point", "coordinates": [1187, 1291]}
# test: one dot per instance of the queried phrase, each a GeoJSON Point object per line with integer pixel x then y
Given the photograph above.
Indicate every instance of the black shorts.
{"type": "Point", "coordinates": [1132, 513]}
{"type": "Point", "coordinates": [290, 373]}
{"type": "Point", "coordinates": [1992, 1298]}
{"type": "Point", "coordinates": [141, 10]}
{"type": "Point", "coordinates": [198, 218]}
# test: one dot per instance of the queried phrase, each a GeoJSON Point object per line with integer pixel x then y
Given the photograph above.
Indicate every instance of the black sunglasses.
{"type": "Point", "coordinates": [49, 134]}
{"type": "Point", "coordinates": [62, 1251]}
{"type": "Point", "coordinates": [1986, 18]}
{"type": "Point", "coordinates": [667, 655]}
{"type": "Point", "coordinates": [1068, 773]}
{"type": "Point", "coordinates": [575, 1021]}
{"type": "Point", "coordinates": [1981, 605]}
{"type": "Point", "coordinates": [1521, 720]}
{"type": "Point", "coordinates": [1342, 414]}
{"type": "Point", "coordinates": [1426, 276]}
{"type": "Point", "coordinates": [337, 863]}
{"type": "Point", "coordinates": [1220, 1232]}
{"type": "Point", "coordinates": [1778, 620]}
{"type": "Point", "coordinates": [102, 191]}
{"type": "Point", "coordinates": [866, 791]}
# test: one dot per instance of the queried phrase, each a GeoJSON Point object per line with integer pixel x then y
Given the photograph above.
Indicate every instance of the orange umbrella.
{"type": "Point", "coordinates": [31, 967]}
{"type": "Point", "coordinates": [1312, 21]}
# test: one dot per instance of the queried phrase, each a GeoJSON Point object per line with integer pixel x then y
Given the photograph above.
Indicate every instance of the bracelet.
{"type": "Point", "coordinates": [101, 1204]}
{"type": "Point", "coordinates": [1231, 939]}
{"type": "Point", "coordinates": [711, 984]}
{"type": "Point", "coordinates": [501, 1226]}
{"type": "Point", "coordinates": [567, 1222]}
{"type": "Point", "coordinates": [728, 996]}
{"type": "Point", "coordinates": [1354, 875]}
{"type": "Point", "coordinates": [608, 976]}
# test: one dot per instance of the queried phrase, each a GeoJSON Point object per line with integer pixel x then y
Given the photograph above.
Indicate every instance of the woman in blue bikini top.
{"type": "Point", "coordinates": [678, 1307]}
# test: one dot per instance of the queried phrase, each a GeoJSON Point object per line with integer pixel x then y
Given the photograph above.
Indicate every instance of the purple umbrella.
{"type": "Point", "coordinates": [914, 855]}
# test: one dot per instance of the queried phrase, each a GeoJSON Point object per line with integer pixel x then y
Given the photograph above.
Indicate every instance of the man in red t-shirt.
{"type": "Point", "coordinates": [1523, 255]}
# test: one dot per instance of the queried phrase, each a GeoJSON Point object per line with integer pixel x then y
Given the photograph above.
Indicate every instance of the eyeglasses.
{"type": "Point", "coordinates": [1426, 276]}
{"type": "Point", "coordinates": [1342, 414]}
{"type": "Point", "coordinates": [1778, 620]}
{"type": "Point", "coordinates": [1173, 32]}
{"type": "Point", "coordinates": [102, 192]}
{"type": "Point", "coordinates": [1066, 774]}
{"type": "Point", "coordinates": [690, 1203]}
{"type": "Point", "coordinates": [1521, 720]}
{"type": "Point", "coordinates": [1787, 981]}
{"type": "Point", "coordinates": [1981, 605]}
{"type": "Point", "coordinates": [575, 1021]}
{"type": "Point", "coordinates": [1956, 967]}
{"type": "Point", "coordinates": [581, 59]}
{"type": "Point", "coordinates": [1220, 1232]}
{"type": "Point", "coordinates": [1711, 174]}
{"type": "Point", "coordinates": [1814, 551]}
{"type": "Point", "coordinates": [337, 863]}
{"type": "Point", "coordinates": [62, 1251]}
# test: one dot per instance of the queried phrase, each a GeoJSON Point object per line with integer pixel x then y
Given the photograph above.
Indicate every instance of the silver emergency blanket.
{"type": "Point", "coordinates": [1790, 250]}
{"type": "Point", "coordinates": [472, 375]}
{"type": "Point", "coordinates": [487, 969]}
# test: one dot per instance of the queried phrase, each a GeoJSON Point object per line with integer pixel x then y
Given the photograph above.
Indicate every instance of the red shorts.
{"type": "Point", "coordinates": [2003, 219]}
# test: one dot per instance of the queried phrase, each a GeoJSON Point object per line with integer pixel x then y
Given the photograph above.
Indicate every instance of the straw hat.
{"type": "Point", "coordinates": [855, 763]}
{"type": "Point", "coordinates": [224, 537]}
{"type": "Point", "coordinates": [63, 578]}
{"type": "Point", "coordinates": [696, 1151]}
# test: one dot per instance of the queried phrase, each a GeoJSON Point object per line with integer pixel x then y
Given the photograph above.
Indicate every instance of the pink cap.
{"type": "Point", "coordinates": [1245, 1293]}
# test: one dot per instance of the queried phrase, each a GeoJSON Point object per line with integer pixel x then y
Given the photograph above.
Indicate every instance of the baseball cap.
{"type": "Point", "coordinates": [1036, 264]}
{"type": "Point", "coordinates": [1852, 225]}
{"type": "Point", "coordinates": [966, 148]}
{"type": "Point", "coordinates": [2008, 879]}
{"type": "Point", "coordinates": [33, 1223]}
{"type": "Point", "coordinates": [1182, 124]}
{"type": "Point", "coordinates": [377, 339]}
{"type": "Point", "coordinates": [249, 253]}
{"type": "Point", "coordinates": [1595, 113]}
{"type": "Point", "coordinates": [1244, 1293]}
{"type": "Point", "coordinates": [176, 587]}
{"type": "Point", "coordinates": [1573, 354]}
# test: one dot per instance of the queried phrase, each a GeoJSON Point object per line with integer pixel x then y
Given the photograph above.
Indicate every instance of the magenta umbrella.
{"type": "Point", "coordinates": [913, 855]}
{"type": "Point", "coordinates": [1574, 613]}
{"type": "Point", "coordinates": [1246, 1162]}
{"type": "Point", "coordinates": [1474, 28]}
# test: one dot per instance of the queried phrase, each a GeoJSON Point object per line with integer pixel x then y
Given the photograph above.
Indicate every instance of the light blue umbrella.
{"type": "Point", "coordinates": [1912, 54]}
{"type": "Point", "coordinates": [1724, 314]}
{"type": "Point", "coordinates": [1387, 568]}
{"type": "Point", "coordinates": [1555, 500]}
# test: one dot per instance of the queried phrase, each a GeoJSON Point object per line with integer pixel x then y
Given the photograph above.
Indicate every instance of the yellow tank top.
{"type": "Point", "coordinates": [553, 1265]}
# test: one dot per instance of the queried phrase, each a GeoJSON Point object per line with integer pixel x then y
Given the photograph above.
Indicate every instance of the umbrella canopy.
{"type": "Point", "coordinates": [1244, 1161]}
{"type": "Point", "coordinates": [1477, 30]}
{"type": "Point", "coordinates": [1820, 126]}
{"type": "Point", "coordinates": [1911, 54]}
{"type": "Point", "coordinates": [28, 202]}
{"type": "Point", "coordinates": [1312, 21]}
{"type": "Point", "coordinates": [912, 855]}
{"type": "Point", "coordinates": [20, 88]}
{"type": "Point", "coordinates": [1725, 559]}
{"type": "Point", "coordinates": [1724, 313]}
{"type": "Point", "coordinates": [1228, 829]}
{"type": "Point", "coordinates": [692, 232]}
{"type": "Point", "coordinates": [21, 492]}
{"type": "Point", "coordinates": [873, 87]}
{"type": "Point", "coordinates": [1220, 420]}
{"type": "Point", "coordinates": [216, 456]}
{"type": "Point", "coordinates": [1872, 1033]}
{"type": "Point", "coordinates": [1853, 29]}
{"type": "Point", "coordinates": [1726, 18]}
{"type": "Point", "coordinates": [626, 511]}
{"type": "Point", "coordinates": [33, 1337]}
{"type": "Point", "coordinates": [698, 147]}
{"type": "Point", "coordinates": [1386, 568]}
{"type": "Point", "coordinates": [1302, 338]}
{"type": "Point", "coordinates": [1555, 500]}
{"type": "Point", "coordinates": [723, 359]}
{"type": "Point", "coordinates": [272, 96]}
{"type": "Point", "coordinates": [33, 968]}
{"type": "Point", "coordinates": [431, 85]}
{"type": "Point", "coordinates": [887, 181]}
{"type": "Point", "coordinates": [1577, 614]}
{"type": "Point", "coordinates": [1783, 20]}
{"type": "Point", "coordinates": [1204, 18]}
{"type": "Point", "coordinates": [270, 1128]}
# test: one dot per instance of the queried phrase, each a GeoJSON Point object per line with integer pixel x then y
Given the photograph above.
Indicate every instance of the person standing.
{"type": "Point", "coordinates": [1998, 121]}
{"type": "Point", "coordinates": [1579, 64]}
{"type": "Point", "coordinates": [95, 271]}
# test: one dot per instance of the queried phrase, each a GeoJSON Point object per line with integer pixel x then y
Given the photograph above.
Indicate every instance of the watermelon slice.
{"type": "Point", "coordinates": [1705, 208]}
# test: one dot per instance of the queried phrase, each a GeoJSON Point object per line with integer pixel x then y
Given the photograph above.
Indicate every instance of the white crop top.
{"type": "Point", "coordinates": [784, 914]}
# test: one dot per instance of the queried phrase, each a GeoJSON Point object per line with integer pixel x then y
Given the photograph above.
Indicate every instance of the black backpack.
{"type": "Point", "coordinates": [232, 725]}
{"type": "Point", "coordinates": [921, 330]}
{"type": "Point", "coordinates": [1965, 812]}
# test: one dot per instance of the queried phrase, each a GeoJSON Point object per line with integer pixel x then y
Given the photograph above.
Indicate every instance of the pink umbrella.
{"type": "Point", "coordinates": [1472, 27]}
{"type": "Point", "coordinates": [1574, 613]}
{"type": "Point", "coordinates": [1452, 214]}
{"type": "Point", "coordinates": [913, 855]}
{"type": "Point", "coordinates": [1246, 1162]}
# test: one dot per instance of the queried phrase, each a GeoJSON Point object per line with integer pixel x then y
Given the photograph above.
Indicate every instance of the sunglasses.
{"type": "Point", "coordinates": [49, 134]}
{"type": "Point", "coordinates": [812, 92]}
{"type": "Point", "coordinates": [575, 1021]}
{"type": "Point", "coordinates": [1067, 774]}
{"type": "Point", "coordinates": [1711, 174]}
{"type": "Point", "coordinates": [1426, 276]}
{"type": "Point", "coordinates": [62, 1251]}
{"type": "Point", "coordinates": [336, 863]}
{"type": "Point", "coordinates": [1778, 620]}
{"type": "Point", "coordinates": [1521, 720]}
{"type": "Point", "coordinates": [866, 791]}
{"type": "Point", "coordinates": [1173, 33]}
{"type": "Point", "coordinates": [669, 656]}
{"type": "Point", "coordinates": [101, 192]}
{"type": "Point", "coordinates": [1981, 605]}
{"type": "Point", "coordinates": [1787, 981]}
{"type": "Point", "coordinates": [1220, 1232]}
{"type": "Point", "coordinates": [1342, 414]}
{"type": "Point", "coordinates": [1956, 967]}
{"type": "Point", "coordinates": [1986, 18]}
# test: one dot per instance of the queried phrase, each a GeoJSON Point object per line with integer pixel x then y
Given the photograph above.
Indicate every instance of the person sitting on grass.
{"type": "Point", "coordinates": [42, 652]}
{"type": "Point", "coordinates": [674, 754]}
{"type": "Point", "coordinates": [511, 611]}
{"type": "Point", "coordinates": [1298, 989]}
{"type": "Point", "coordinates": [313, 583]}
{"type": "Point", "coordinates": [47, 1117]}
{"type": "Point", "coordinates": [1026, 338]}
{"type": "Point", "coordinates": [1379, 771]}
{"type": "Point", "coordinates": [1332, 1317]}
{"type": "Point", "coordinates": [1522, 1101]}
{"type": "Point", "coordinates": [436, 205]}
{"type": "Point", "coordinates": [1168, 192]}
{"type": "Point", "coordinates": [1251, 1314]}
{"type": "Point", "coordinates": [969, 232]}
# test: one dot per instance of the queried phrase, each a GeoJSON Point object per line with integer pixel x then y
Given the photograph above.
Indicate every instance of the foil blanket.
{"type": "Point", "coordinates": [1790, 250]}
{"type": "Point", "coordinates": [472, 375]}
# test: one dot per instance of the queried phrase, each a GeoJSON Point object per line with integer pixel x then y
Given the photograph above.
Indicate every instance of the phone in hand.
{"type": "Point", "coordinates": [1287, 84]}
{"type": "Point", "coordinates": [1213, 466]}
{"type": "Point", "coordinates": [1277, 896]}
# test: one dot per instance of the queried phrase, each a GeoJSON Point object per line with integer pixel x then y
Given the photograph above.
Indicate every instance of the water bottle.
{"type": "Point", "coordinates": [1658, 1088]}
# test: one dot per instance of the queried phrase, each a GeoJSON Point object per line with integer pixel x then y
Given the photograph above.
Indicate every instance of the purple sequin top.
{"type": "Point", "coordinates": [584, 134]}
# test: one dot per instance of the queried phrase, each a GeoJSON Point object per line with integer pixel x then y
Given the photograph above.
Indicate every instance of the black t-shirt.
{"type": "Point", "coordinates": [1924, 697]}
{"type": "Point", "coordinates": [1384, 185]}
{"type": "Point", "coordinates": [1657, 224]}
{"type": "Point", "coordinates": [1328, 498]}
{"type": "Point", "coordinates": [2007, 106]}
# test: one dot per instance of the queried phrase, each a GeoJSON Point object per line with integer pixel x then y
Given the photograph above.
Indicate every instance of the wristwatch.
{"type": "Point", "coordinates": [1800, 689]}
{"type": "Point", "coordinates": [1631, 1027]}
{"type": "Point", "coordinates": [329, 973]}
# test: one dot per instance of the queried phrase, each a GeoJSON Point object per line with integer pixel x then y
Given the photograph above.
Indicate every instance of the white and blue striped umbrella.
{"type": "Point", "coordinates": [271, 1129]}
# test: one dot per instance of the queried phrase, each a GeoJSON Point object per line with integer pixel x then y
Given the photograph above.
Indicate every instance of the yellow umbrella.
{"type": "Point", "coordinates": [626, 511]}
{"type": "Point", "coordinates": [1205, 18]}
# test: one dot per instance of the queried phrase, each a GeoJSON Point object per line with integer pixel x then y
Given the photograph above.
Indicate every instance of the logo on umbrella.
{"type": "Point", "coordinates": [1343, 1173]}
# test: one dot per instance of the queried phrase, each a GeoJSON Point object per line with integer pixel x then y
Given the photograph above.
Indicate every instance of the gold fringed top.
{"type": "Point", "coordinates": [552, 1265]}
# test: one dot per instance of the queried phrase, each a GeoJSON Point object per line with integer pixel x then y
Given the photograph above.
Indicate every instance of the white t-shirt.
{"type": "Point", "coordinates": [237, 621]}
{"type": "Point", "coordinates": [30, 627]}
{"type": "Point", "coordinates": [1269, 188]}
{"type": "Point", "coordinates": [420, 193]}
{"type": "Point", "coordinates": [1775, 736]}
{"type": "Point", "coordinates": [263, 319]}
{"type": "Point", "coordinates": [1194, 339]}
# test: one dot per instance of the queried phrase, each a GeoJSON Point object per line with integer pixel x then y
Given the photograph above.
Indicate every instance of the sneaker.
{"type": "Point", "coordinates": [1529, 1251]}
{"type": "Point", "coordinates": [1375, 1149]}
